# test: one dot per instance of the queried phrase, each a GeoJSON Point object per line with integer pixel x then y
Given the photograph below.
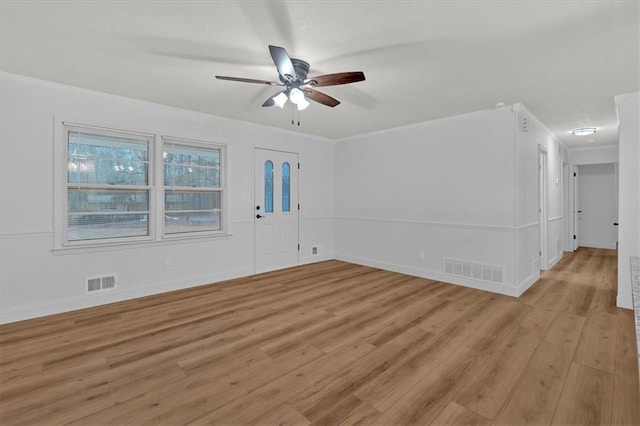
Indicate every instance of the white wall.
{"type": "Point", "coordinates": [596, 155]}
{"type": "Point", "coordinates": [629, 192]}
{"type": "Point", "coordinates": [34, 281]}
{"type": "Point", "coordinates": [463, 188]}
{"type": "Point", "coordinates": [457, 188]}
{"type": "Point", "coordinates": [528, 144]}
{"type": "Point", "coordinates": [599, 205]}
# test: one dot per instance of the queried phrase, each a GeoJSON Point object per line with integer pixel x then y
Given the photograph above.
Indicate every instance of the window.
{"type": "Point", "coordinates": [268, 186]}
{"type": "Point", "coordinates": [192, 190]}
{"type": "Point", "coordinates": [117, 190]}
{"type": "Point", "coordinates": [108, 187]}
{"type": "Point", "coordinates": [286, 187]}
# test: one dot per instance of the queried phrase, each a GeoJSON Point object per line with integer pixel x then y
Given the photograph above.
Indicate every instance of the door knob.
{"type": "Point", "coordinates": [258, 216]}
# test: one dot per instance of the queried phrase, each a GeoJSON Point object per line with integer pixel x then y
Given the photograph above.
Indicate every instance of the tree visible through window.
{"type": "Point", "coordinates": [192, 193]}
{"type": "Point", "coordinates": [107, 186]}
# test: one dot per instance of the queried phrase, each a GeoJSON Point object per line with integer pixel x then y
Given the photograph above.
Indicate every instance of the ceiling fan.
{"type": "Point", "coordinates": [292, 73]}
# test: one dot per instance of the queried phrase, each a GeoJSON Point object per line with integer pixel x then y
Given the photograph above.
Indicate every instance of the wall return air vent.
{"type": "Point", "coordinates": [476, 271]}
{"type": "Point", "coordinates": [102, 283]}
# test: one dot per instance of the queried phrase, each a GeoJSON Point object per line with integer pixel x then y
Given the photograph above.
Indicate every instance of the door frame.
{"type": "Point", "coordinates": [567, 234]}
{"type": "Point", "coordinates": [573, 198]}
{"type": "Point", "coordinates": [543, 205]}
{"type": "Point", "coordinates": [575, 219]}
{"type": "Point", "coordinates": [254, 251]}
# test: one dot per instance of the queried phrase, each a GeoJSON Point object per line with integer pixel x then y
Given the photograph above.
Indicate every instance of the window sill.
{"type": "Point", "coordinates": [112, 246]}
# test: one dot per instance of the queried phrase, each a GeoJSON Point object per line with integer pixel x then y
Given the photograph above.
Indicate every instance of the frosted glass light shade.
{"type": "Point", "coordinates": [296, 96]}
{"type": "Point", "coordinates": [302, 104]}
{"type": "Point", "coordinates": [280, 100]}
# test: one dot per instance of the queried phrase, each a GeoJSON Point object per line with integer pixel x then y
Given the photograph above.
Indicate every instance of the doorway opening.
{"type": "Point", "coordinates": [596, 206]}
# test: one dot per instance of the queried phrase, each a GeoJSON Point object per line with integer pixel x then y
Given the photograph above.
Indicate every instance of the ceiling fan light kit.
{"type": "Point", "coordinates": [292, 73]}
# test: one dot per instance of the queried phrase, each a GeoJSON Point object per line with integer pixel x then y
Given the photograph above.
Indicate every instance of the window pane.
{"type": "Point", "coordinates": [86, 200]}
{"type": "Point", "coordinates": [268, 187]}
{"type": "Point", "coordinates": [191, 200]}
{"type": "Point", "coordinates": [191, 155]}
{"type": "Point", "coordinates": [191, 176]}
{"type": "Point", "coordinates": [191, 166]}
{"type": "Point", "coordinates": [197, 167]}
{"type": "Point", "coordinates": [101, 226]}
{"type": "Point", "coordinates": [96, 159]}
{"type": "Point", "coordinates": [175, 223]}
{"type": "Point", "coordinates": [286, 187]}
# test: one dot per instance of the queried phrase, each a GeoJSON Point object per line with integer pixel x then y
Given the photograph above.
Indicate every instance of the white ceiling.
{"type": "Point", "coordinates": [565, 60]}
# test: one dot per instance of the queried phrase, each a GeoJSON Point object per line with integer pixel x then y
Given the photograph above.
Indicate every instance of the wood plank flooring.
{"type": "Point", "coordinates": [334, 343]}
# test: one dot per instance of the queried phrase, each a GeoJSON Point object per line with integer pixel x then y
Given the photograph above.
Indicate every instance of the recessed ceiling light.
{"type": "Point", "coordinates": [583, 131]}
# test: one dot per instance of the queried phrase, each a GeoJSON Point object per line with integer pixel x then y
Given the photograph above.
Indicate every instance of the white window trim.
{"type": "Point", "coordinates": [156, 194]}
{"type": "Point", "coordinates": [147, 138]}
{"type": "Point", "coordinates": [168, 140]}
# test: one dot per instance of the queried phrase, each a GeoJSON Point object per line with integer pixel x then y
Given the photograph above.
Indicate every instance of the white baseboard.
{"type": "Point", "coordinates": [87, 301]}
{"type": "Point", "coordinates": [432, 275]}
{"type": "Point", "coordinates": [624, 302]}
{"type": "Point", "coordinates": [317, 258]}
{"type": "Point", "coordinates": [597, 244]}
{"type": "Point", "coordinates": [555, 260]}
{"type": "Point", "coordinates": [118, 295]}
{"type": "Point", "coordinates": [526, 283]}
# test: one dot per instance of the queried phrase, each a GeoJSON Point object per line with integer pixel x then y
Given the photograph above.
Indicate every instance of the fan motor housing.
{"type": "Point", "coordinates": [301, 67]}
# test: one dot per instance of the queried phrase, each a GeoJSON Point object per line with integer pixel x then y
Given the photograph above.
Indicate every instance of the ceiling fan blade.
{"type": "Point", "coordinates": [283, 62]}
{"type": "Point", "coordinates": [270, 20]}
{"type": "Point", "coordinates": [271, 101]}
{"type": "Point", "coordinates": [247, 80]}
{"type": "Point", "coordinates": [177, 48]}
{"type": "Point", "coordinates": [320, 97]}
{"type": "Point", "coordinates": [337, 78]}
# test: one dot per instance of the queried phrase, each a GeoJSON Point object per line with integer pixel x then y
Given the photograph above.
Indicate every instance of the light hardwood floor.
{"type": "Point", "coordinates": [334, 343]}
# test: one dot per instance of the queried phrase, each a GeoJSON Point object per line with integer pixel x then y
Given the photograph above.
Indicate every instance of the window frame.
{"type": "Point", "coordinates": [68, 129]}
{"type": "Point", "coordinates": [170, 140]}
{"type": "Point", "coordinates": [155, 183]}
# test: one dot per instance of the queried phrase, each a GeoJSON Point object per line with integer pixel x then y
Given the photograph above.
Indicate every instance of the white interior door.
{"type": "Point", "coordinates": [576, 210]}
{"type": "Point", "coordinates": [598, 206]}
{"type": "Point", "coordinates": [276, 209]}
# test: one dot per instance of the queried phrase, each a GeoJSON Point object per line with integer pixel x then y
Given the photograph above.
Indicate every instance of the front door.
{"type": "Point", "coordinates": [276, 209]}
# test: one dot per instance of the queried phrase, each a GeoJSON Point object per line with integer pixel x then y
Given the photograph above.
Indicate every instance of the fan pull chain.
{"type": "Point", "coordinates": [293, 121]}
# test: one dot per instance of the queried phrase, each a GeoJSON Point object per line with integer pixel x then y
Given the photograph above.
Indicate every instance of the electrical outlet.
{"type": "Point", "coordinates": [314, 250]}
{"type": "Point", "coordinates": [421, 255]}
{"type": "Point", "coordinates": [168, 264]}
